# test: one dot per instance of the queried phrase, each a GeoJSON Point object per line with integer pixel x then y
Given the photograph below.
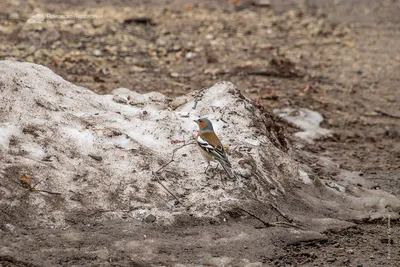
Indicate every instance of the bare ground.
{"type": "Point", "coordinates": [340, 58]}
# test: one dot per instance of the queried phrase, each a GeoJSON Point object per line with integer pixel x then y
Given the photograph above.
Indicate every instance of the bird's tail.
{"type": "Point", "coordinates": [228, 171]}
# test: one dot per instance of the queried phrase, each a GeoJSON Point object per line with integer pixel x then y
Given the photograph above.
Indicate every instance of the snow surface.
{"type": "Point", "coordinates": [7, 130]}
{"type": "Point", "coordinates": [305, 119]}
{"type": "Point", "coordinates": [101, 152]}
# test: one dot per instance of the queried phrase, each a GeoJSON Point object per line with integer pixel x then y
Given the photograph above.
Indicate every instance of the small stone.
{"type": "Point", "coordinates": [14, 16]}
{"type": "Point", "coordinates": [350, 251]}
{"type": "Point", "coordinates": [212, 71]}
{"type": "Point", "coordinates": [161, 42]}
{"type": "Point", "coordinates": [331, 260]}
{"type": "Point", "coordinates": [136, 69]}
{"type": "Point", "coordinates": [95, 157]}
{"type": "Point", "coordinates": [150, 218]}
{"type": "Point", "coordinates": [187, 187]}
{"type": "Point", "coordinates": [174, 74]}
{"type": "Point", "coordinates": [263, 3]}
{"type": "Point", "coordinates": [9, 227]}
{"type": "Point", "coordinates": [189, 55]}
{"type": "Point", "coordinates": [77, 26]}
{"type": "Point", "coordinates": [209, 36]}
{"type": "Point", "coordinates": [120, 99]}
{"type": "Point", "coordinates": [97, 53]}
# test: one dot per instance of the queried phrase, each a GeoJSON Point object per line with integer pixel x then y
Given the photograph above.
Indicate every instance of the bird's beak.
{"type": "Point", "coordinates": [196, 121]}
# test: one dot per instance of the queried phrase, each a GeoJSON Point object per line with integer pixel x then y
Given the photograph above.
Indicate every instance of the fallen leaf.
{"type": "Point", "coordinates": [26, 181]}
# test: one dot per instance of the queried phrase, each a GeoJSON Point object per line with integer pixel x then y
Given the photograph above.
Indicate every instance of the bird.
{"type": "Point", "coordinates": [211, 147]}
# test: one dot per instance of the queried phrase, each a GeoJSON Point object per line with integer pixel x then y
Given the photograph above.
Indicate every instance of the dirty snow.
{"type": "Point", "coordinates": [7, 130]}
{"type": "Point", "coordinates": [305, 119]}
{"type": "Point", "coordinates": [101, 153]}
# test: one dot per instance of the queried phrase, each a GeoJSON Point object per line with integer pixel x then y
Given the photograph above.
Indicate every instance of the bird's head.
{"type": "Point", "coordinates": [204, 124]}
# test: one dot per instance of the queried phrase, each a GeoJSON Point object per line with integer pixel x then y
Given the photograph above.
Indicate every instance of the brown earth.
{"type": "Point", "coordinates": [340, 58]}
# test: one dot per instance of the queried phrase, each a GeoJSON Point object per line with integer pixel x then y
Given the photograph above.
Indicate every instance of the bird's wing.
{"type": "Point", "coordinates": [204, 144]}
{"type": "Point", "coordinates": [213, 146]}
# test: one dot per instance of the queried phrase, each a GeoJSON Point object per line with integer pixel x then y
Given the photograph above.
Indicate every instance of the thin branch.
{"type": "Point", "coordinates": [38, 161]}
{"type": "Point", "coordinates": [166, 189]}
{"type": "Point", "coordinates": [165, 165]}
{"type": "Point", "coordinates": [44, 191]}
{"type": "Point", "coordinates": [383, 113]}
{"type": "Point", "coordinates": [34, 186]}
{"type": "Point", "coordinates": [280, 212]}
{"type": "Point", "coordinates": [286, 217]}
{"type": "Point", "coordinates": [268, 224]}
{"type": "Point", "coordinates": [195, 103]}
{"type": "Point", "coordinates": [173, 155]}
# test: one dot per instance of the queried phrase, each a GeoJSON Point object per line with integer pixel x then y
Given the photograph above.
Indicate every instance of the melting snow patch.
{"type": "Point", "coordinates": [6, 132]}
{"type": "Point", "coordinates": [82, 138]}
{"type": "Point", "coordinates": [304, 177]}
{"type": "Point", "coordinates": [121, 141]}
{"type": "Point", "coordinates": [34, 150]}
{"type": "Point", "coordinates": [305, 119]}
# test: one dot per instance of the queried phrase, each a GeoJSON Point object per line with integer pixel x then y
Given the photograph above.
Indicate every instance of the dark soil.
{"type": "Point", "coordinates": [340, 58]}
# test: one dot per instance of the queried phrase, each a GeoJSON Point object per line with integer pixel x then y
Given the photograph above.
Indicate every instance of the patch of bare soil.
{"type": "Point", "coordinates": [340, 58]}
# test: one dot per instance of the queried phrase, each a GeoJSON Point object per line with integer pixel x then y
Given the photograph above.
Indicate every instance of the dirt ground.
{"type": "Point", "coordinates": [340, 58]}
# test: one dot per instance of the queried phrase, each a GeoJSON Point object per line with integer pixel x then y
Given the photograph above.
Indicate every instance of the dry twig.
{"type": "Point", "coordinates": [195, 103]}
{"type": "Point", "coordinates": [166, 189]}
{"type": "Point", "coordinates": [286, 217]}
{"type": "Point", "coordinates": [280, 213]}
{"type": "Point", "coordinates": [165, 165]}
{"type": "Point", "coordinates": [383, 113]}
{"type": "Point", "coordinates": [268, 224]}
{"type": "Point", "coordinates": [173, 155]}
{"type": "Point", "coordinates": [45, 191]}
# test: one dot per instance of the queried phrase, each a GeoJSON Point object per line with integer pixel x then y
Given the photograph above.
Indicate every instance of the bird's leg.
{"type": "Point", "coordinates": [216, 167]}
{"type": "Point", "coordinates": [207, 167]}
{"type": "Point", "coordinates": [220, 175]}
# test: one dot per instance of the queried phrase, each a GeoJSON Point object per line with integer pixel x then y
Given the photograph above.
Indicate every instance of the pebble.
{"type": "Point", "coordinates": [95, 157]}
{"type": "Point", "coordinates": [264, 3]}
{"type": "Point", "coordinates": [120, 99]}
{"type": "Point", "coordinates": [189, 55]}
{"type": "Point", "coordinates": [150, 218]}
{"type": "Point", "coordinates": [14, 16]}
{"type": "Point", "coordinates": [97, 53]}
{"type": "Point", "coordinates": [209, 36]}
{"type": "Point", "coordinates": [137, 69]}
{"type": "Point", "coordinates": [174, 74]}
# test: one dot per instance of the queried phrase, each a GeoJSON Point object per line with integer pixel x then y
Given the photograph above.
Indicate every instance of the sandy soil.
{"type": "Point", "coordinates": [340, 58]}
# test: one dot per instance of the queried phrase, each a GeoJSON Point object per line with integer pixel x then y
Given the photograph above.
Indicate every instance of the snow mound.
{"type": "Point", "coordinates": [131, 155]}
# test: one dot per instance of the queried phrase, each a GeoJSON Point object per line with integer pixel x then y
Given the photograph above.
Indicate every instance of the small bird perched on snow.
{"type": "Point", "coordinates": [211, 147]}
